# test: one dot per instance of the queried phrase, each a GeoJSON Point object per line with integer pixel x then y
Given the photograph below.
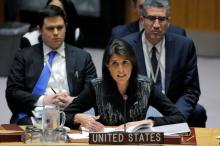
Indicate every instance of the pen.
{"type": "Point", "coordinates": [189, 138]}
{"type": "Point", "coordinates": [53, 90]}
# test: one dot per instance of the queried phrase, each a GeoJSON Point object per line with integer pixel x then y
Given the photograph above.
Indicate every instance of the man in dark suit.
{"type": "Point", "coordinates": [70, 70]}
{"type": "Point", "coordinates": [123, 30]}
{"type": "Point", "coordinates": [176, 72]}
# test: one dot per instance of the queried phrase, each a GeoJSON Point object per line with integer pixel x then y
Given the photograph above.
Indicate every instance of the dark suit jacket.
{"type": "Point", "coordinates": [27, 67]}
{"type": "Point", "coordinates": [181, 73]}
{"type": "Point", "coordinates": [123, 30]}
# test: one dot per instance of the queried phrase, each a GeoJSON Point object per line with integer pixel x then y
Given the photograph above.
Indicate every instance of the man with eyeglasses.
{"type": "Point", "coordinates": [169, 60]}
{"type": "Point", "coordinates": [123, 30]}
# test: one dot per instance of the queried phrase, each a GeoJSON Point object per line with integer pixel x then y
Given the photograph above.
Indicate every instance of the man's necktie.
{"type": "Point", "coordinates": [154, 63]}
{"type": "Point", "coordinates": [43, 80]}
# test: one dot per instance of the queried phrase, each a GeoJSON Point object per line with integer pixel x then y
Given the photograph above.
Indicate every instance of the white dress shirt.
{"type": "Point", "coordinates": [160, 54]}
{"type": "Point", "coordinates": [58, 78]}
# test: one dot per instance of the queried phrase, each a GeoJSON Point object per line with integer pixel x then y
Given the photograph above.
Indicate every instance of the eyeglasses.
{"type": "Point", "coordinates": [161, 19]}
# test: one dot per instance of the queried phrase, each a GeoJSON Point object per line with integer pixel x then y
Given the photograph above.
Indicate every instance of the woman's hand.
{"type": "Point", "coordinates": [89, 122]}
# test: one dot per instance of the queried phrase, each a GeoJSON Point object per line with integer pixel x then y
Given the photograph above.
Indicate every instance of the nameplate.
{"type": "Point", "coordinates": [126, 138]}
{"type": "Point", "coordinates": [11, 133]}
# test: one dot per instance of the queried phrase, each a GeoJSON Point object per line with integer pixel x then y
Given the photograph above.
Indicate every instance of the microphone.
{"type": "Point", "coordinates": [125, 97]}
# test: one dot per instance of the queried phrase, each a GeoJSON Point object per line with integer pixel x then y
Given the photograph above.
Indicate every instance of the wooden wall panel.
{"type": "Point", "coordinates": [191, 17]}
{"type": "Point", "coordinates": [178, 15]}
{"type": "Point", "coordinates": [199, 15]}
{"type": "Point", "coordinates": [131, 13]}
{"type": "Point", "coordinates": [206, 14]}
{"type": "Point", "coordinates": [217, 13]}
{"type": "Point", "coordinates": [195, 15]}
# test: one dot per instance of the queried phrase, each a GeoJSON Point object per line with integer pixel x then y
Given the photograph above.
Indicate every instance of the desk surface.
{"type": "Point", "coordinates": [207, 136]}
{"type": "Point", "coordinates": [204, 137]}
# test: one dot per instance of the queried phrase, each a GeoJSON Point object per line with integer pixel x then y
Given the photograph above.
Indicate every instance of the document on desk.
{"type": "Point", "coordinates": [180, 128]}
{"type": "Point", "coordinates": [172, 129]}
{"type": "Point", "coordinates": [77, 136]}
{"type": "Point", "coordinates": [85, 133]}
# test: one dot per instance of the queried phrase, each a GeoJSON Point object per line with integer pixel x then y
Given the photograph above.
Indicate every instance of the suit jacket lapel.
{"type": "Point", "coordinates": [140, 55]}
{"type": "Point", "coordinates": [38, 62]}
{"type": "Point", "coordinates": [169, 46]}
{"type": "Point", "coordinates": [70, 68]}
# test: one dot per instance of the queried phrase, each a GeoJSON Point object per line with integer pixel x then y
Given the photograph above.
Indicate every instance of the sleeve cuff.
{"type": "Point", "coordinates": [40, 101]}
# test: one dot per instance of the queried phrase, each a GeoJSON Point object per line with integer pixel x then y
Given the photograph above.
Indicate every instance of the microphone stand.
{"type": "Point", "coordinates": [125, 97]}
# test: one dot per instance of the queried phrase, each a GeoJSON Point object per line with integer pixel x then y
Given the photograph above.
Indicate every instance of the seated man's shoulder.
{"type": "Point", "coordinates": [30, 49]}
{"type": "Point", "coordinates": [182, 45]}
{"type": "Point", "coordinates": [132, 35]}
{"type": "Point", "coordinates": [26, 54]}
{"type": "Point", "coordinates": [178, 37]}
{"type": "Point", "coordinates": [119, 28]}
{"type": "Point", "coordinates": [77, 50]}
{"type": "Point", "coordinates": [132, 38]}
{"type": "Point", "coordinates": [176, 29]}
{"type": "Point", "coordinates": [126, 29]}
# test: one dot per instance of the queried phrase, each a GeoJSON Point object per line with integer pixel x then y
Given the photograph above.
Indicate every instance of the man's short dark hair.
{"type": "Point", "coordinates": [50, 11]}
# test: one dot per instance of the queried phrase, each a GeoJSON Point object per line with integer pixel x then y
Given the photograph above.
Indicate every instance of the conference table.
{"type": "Point", "coordinates": [204, 137]}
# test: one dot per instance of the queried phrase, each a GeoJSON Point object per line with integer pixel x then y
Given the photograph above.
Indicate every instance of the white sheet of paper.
{"type": "Point", "coordinates": [173, 129]}
{"type": "Point", "coordinates": [77, 136]}
{"type": "Point", "coordinates": [85, 132]}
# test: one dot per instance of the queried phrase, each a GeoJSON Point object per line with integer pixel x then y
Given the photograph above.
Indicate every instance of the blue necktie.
{"type": "Point", "coordinates": [154, 63]}
{"type": "Point", "coordinates": [42, 82]}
